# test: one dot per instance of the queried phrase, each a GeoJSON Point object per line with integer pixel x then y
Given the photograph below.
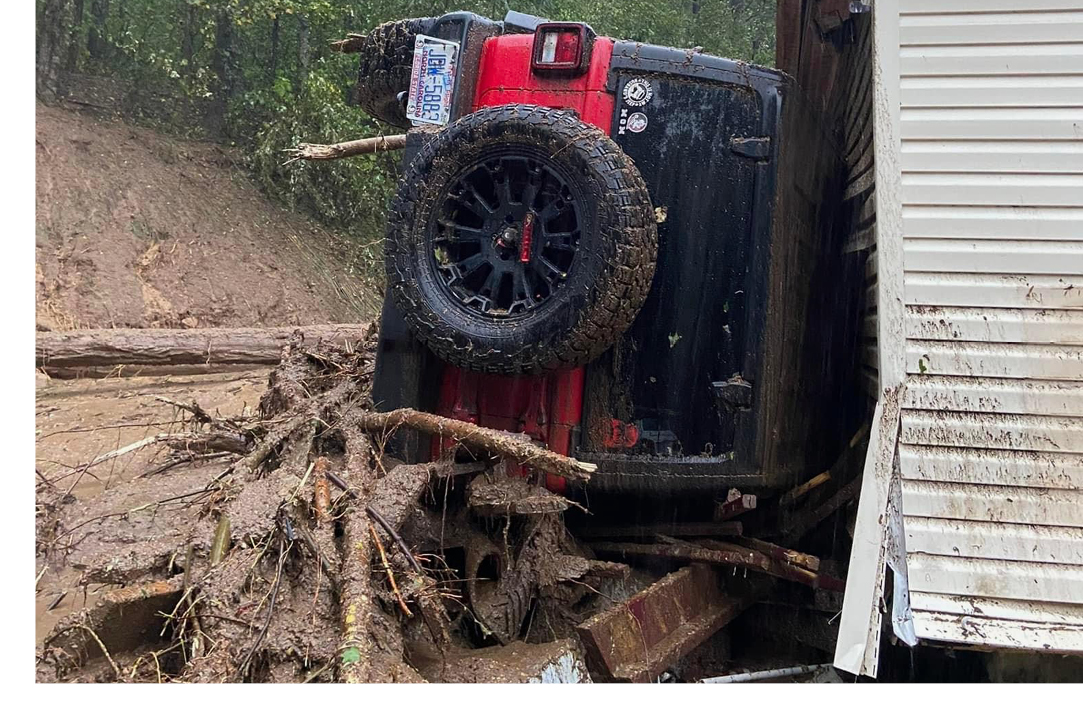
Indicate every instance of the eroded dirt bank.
{"type": "Point", "coordinates": [138, 229]}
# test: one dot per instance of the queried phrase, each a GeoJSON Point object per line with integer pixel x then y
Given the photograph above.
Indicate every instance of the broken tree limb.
{"type": "Point", "coordinates": [797, 558]}
{"type": "Point", "coordinates": [221, 540]}
{"type": "Point", "coordinates": [347, 149]}
{"type": "Point", "coordinates": [351, 43]}
{"type": "Point", "coordinates": [355, 650]}
{"type": "Point", "coordinates": [725, 554]}
{"type": "Point", "coordinates": [473, 436]}
{"type": "Point", "coordinates": [315, 408]}
{"type": "Point", "coordinates": [178, 441]}
{"type": "Point", "coordinates": [169, 346]}
{"type": "Point", "coordinates": [321, 501]}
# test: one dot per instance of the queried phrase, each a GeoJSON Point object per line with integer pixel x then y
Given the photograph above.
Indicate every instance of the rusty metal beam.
{"type": "Point", "coordinates": [639, 639]}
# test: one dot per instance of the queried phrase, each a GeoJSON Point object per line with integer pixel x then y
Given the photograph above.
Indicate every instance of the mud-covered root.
{"type": "Point", "coordinates": [301, 566]}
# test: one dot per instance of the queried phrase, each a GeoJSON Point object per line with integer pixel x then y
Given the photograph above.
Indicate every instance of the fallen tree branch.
{"type": "Point", "coordinates": [347, 149]}
{"type": "Point", "coordinates": [105, 651]}
{"type": "Point", "coordinates": [315, 409]}
{"type": "Point", "coordinates": [724, 554]}
{"type": "Point", "coordinates": [351, 44]}
{"type": "Point", "coordinates": [177, 347]}
{"type": "Point", "coordinates": [389, 572]}
{"type": "Point", "coordinates": [473, 436]}
{"type": "Point", "coordinates": [184, 441]}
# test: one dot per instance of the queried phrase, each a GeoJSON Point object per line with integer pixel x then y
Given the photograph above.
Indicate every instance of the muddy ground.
{"type": "Point", "coordinates": [114, 530]}
{"type": "Point", "coordinates": [81, 419]}
{"type": "Point", "coordinates": [138, 229]}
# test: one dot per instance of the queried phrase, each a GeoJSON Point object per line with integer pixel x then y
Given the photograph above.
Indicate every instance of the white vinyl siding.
{"type": "Point", "coordinates": [991, 436]}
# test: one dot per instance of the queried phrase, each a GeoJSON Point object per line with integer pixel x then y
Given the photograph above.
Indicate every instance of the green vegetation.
{"type": "Point", "coordinates": [260, 73]}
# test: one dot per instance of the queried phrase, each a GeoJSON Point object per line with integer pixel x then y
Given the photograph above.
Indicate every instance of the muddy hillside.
{"type": "Point", "coordinates": [138, 229]}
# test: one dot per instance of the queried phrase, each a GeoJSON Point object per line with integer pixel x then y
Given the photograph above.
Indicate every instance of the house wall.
{"type": "Point", "coordinates": [988, 185]}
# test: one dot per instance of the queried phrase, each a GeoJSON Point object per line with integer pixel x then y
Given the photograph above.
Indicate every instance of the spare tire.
{"type": "Point", "coordinates": [521, 240]}
{"type": "Point", "coordinates": [386, 58]}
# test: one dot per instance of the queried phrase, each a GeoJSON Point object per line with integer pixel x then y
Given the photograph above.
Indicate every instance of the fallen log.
{"type": "Point", "coordinates": [347, 149]}
{"type": "Point", "coordinates": [170, 346]}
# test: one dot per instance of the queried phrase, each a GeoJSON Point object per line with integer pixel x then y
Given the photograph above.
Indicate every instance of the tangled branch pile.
{"type": "Point", "coordinates": [314, 556]}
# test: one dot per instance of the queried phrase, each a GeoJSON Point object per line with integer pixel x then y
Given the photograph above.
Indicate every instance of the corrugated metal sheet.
{"type": "Point", "coordinates": [991, 437]}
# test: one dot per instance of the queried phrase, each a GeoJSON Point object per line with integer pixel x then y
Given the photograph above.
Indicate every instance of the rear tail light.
{"type": "Point", "coordinates": [561, 48]}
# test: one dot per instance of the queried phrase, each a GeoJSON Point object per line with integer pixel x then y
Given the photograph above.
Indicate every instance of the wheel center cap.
{"type": "Point", "coordinates": [508, 237]}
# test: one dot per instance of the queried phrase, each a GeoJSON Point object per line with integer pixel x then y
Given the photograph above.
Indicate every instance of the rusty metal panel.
{"type": "Point", "coordinates": [639, 639]}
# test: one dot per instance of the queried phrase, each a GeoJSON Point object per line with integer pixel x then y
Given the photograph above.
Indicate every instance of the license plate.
{"type": "Point", "coordinates": [432, 80]}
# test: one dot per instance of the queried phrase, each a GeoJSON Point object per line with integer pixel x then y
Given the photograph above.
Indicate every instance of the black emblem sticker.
{"type": "Point", "coordinates": [638, 92]}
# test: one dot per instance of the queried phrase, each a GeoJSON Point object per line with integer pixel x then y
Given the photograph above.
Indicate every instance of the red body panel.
{"type": "Point", "coordinates": [549, 407]}
{"type": "Point", "coordinates": [506, 78]}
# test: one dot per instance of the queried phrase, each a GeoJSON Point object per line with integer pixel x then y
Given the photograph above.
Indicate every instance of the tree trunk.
{"type": "Point", "coordinates": [53, 28]}
{"type": "Point", "coordinates": [190, 18]}
{"type": "Point", "coordinates": [167, 346]}
{"type": "Point", "coordinates": [96, 42]}
{"type": "Point", "coordinates": [303, 49]}
{"type": "Point", "coordinates": [76, 36]}
{"type": "Point", "coordinates": [225, 68]}
{"type": "Point", "coordinates": [275, 34]}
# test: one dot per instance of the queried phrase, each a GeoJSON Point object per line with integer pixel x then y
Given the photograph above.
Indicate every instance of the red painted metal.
{"type": "Point", "coordinates": [527, 238]}
{"type": "Point", "coordinates": [506, 77]}
{"type": "Point", "coordinates": [621, 435]}
{"type": "Point", "coordinates": [642, 637]}
{"type": "Point", "coordinates": [548, 408]}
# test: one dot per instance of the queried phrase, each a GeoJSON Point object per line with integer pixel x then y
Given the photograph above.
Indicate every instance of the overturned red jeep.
{"type": "Point", "coordinates": [628, 252]}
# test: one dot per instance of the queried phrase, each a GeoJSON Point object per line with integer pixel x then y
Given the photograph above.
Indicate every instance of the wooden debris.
{"type": "Point", "coordinates": [642, 637]}
{"type": "Point", "coordinates": [790, 497]}
{"type": "Point", "coordinates": [496, 495]}
{"type": "Point", "coordinates": [351, 44]}
{"type": "Point", "coordinates": [722, 553]}
{"type": "Point", "coordinates": [478, 438]}
{"type": "Point", "coordinates": [348, 149]}
{"type": "Point", "coordinates": [798, 524]}
{"type": "Point", "coordinates": [735, 506]}
{"type": "Point", "coordinates": [176, 347]}
{"type": "Point", "coordinates": [120, 621]}
{"type": "Point", "coordinates": [321, 494]}
{"type": "Point", "coordinates": [220, 546]}
{"type": "Point", "coordinates": [797, 558]}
